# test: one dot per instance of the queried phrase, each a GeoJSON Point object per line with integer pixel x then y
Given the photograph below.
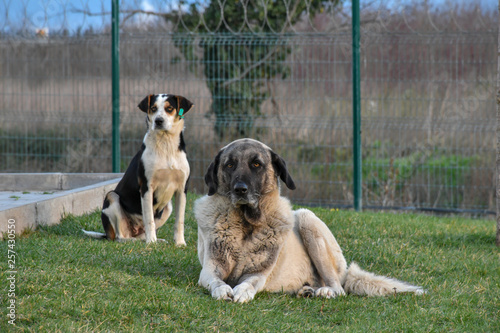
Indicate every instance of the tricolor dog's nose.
{"type": "Point", "coordinates": [240, 188]}
{"type": "Point", "coordinates": [159, 121]}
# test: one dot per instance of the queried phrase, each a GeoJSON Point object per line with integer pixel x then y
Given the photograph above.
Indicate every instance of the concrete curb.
{"type": "Point", "coordinates": [48, 210]}
{"type": "Point", "coordinates": [51, 181]}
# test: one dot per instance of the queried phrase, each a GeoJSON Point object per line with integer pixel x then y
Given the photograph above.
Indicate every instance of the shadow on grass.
{"type": "Point", "coordinates": [459, 240]}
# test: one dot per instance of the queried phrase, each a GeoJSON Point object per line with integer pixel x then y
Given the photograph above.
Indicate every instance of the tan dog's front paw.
{"type": "Point", "coordinates": [243, 293]}
{"type": "Point", "coordinates": [223, 292]}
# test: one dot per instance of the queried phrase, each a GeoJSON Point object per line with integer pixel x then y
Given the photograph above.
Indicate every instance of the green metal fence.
{"type": "Point", "coordinates": [427, 107]}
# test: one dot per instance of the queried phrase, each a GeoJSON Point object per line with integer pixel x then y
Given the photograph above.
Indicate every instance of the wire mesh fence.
{"type": "Point", "coordinates": [428, 107]}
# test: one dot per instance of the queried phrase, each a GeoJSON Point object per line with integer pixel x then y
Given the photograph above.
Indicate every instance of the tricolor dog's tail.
{"type": "Point", "coordinates": [94, 234]}
{"type": "Point", "coordinates": [360, 282]}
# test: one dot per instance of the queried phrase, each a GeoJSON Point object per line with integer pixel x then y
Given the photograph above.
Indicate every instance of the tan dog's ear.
{"type": "Point", "coordinates": [279, 166]}
{"type": "Point", "coordinates": [146, 103]}
{"type": "Point", "coordinates": [211, 175]}
{"type": "Point", "coordinates": [183, 105]}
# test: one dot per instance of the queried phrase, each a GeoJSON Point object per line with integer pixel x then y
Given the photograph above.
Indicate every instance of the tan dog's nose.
{"type": "Point", "coordinates": [240, 188]}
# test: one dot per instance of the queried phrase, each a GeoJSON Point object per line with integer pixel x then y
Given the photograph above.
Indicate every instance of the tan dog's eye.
{"type": "Point", "coordinates": [170, 109]}
{"type": "Point", "coordinates": [154, 108]}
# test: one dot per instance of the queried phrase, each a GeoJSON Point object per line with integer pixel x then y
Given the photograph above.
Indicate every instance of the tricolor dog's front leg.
{"type": "Point", "coordinates": [180, 208]}
{"type": "Point", "coordinates": [148, 215]}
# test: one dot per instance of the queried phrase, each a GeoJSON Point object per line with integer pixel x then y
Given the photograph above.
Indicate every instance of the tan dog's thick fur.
{"type": "Point", "coordinates": [141, 202]}
{"type": "Point", "coordinates": [250, 239]}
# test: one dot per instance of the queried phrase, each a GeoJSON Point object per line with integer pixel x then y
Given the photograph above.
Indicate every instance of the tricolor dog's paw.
{"type": "Point", "coordinates": [180, 243]}
{"type": "Point", "coordinates": [223, 292]}
{"type": "Point", "coordinates": [151, 239]}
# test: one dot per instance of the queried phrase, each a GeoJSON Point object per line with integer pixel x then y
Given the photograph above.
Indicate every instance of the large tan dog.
{"type": "Point", "coordinates": [250, 239]}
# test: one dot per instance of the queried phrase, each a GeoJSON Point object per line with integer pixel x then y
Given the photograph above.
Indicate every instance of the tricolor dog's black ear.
{"type": "Point", "coordinates": [279, 166]}
{"type": "Point", "coordinates": [145, 103]}
{"type": "Point", "coordinates": [184, 104]}
{"type": "Point", "coordinates": [211, 175]}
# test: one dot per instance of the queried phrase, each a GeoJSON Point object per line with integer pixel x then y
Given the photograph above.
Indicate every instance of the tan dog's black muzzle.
{"type": "Point", "coordinates": [240, 188]}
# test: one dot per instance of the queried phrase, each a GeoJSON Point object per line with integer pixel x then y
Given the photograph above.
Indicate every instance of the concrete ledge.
{"type": "Point", "coordinates": [51, 181]}
{"type": "Point", "coordinates": [49, 209]}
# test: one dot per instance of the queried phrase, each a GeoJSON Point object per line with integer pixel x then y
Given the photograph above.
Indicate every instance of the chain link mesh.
{"type": "Point", "coordinates": [428, 85]}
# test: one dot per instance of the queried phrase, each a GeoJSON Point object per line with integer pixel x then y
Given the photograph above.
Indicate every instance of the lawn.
{"type": "Point", "coordinates": [66, 282]}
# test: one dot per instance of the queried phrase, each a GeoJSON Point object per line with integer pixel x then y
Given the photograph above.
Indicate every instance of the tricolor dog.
{"type": "Point", "coordinates": [142, 200]}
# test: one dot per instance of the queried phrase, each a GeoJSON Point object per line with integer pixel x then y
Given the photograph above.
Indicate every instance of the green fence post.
{"type": "Point", "coordinates": [356, 107]}
{"type": "Point", "coordinates": [115, 72]}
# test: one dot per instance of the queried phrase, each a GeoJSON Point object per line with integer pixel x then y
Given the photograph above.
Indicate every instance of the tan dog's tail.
{"type": "Point", "coordinates": [94, 234]}
{"type": "Point", "coordinates": [360, 282]}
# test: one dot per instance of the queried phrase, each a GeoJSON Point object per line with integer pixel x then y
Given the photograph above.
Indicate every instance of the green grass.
{"type": "Point", "coordinates": [67, 282]}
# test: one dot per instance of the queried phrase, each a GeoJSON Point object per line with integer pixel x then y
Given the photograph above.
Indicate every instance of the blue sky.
{"type": "Point", "coordinates": [62, 13]}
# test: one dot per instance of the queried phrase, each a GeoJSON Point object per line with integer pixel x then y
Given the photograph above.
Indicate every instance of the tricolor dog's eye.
{"type": "Point", "coordinates": [154, 108]}
{"type": "Point", "coordinates": [170, 109]}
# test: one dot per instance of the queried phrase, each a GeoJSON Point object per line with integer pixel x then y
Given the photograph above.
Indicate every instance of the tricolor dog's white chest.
{"type": "Point", "coordinates": [167, 172]}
